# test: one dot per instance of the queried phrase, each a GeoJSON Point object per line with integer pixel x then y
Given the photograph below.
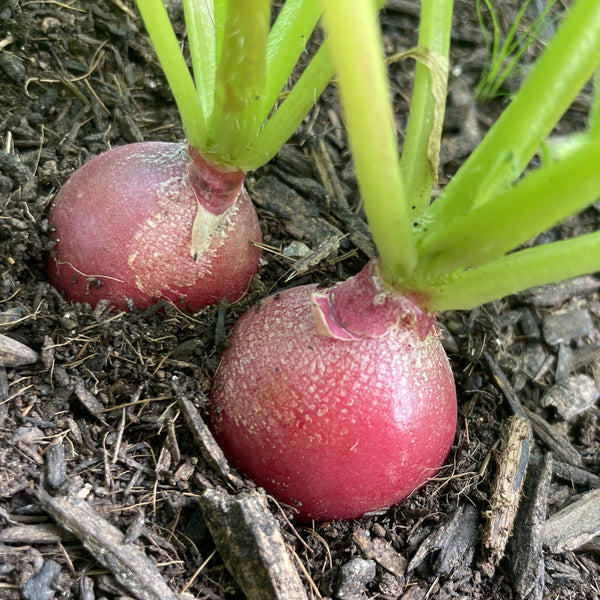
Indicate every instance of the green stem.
{"type": "Point", "coordinates": [364, 93]}
{"type": "Point", "coordinates": [558, 75]}
{"type": "Point", "coordinates": [594, 117]}
{"type": "Point", "coordinates": [287, 40]}
{"type": "Point", "coordinates": [420, 154]}
{"type": "Point", "coordinates": [288, 116]}
{"type": "Point", "coordinates": [516, 272]}
{"type": "Point", "coordinates": [200, 24]}
{"type": "Point", "coordinates": [240, 79]}
{"type": "Point", "coordinates": [176, 71]}
{"type": "Point", "coordinates": [542, 199]}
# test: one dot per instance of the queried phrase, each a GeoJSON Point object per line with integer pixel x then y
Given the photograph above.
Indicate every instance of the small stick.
{"type": "Point", "coordinates": [506, 491]}
{"type": "Point", "coordinates": [128, 564]}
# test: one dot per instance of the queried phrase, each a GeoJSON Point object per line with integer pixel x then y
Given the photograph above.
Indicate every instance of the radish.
{"type": "Point", "coordinates": [341, 401]}
{"type": "Point", "coordinates": [164, 225]}
{"type": "Point", "coordinates": [338, 402]}
{"type": "Point", "coordinates": [172, 221]}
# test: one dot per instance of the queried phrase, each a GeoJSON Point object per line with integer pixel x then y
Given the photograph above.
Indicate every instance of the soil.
{"type": "Point", "coordinates": [98, 412]}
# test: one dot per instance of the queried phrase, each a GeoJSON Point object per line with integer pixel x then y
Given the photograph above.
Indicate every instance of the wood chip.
{"type": "Point", "coordinates": [210, 450]}
{"type": "Point", "coordinates": [354, 577]}
{"type": "Point", "coordinates": [526, 544]}
{"type": "Point", "coordinates": [571, 396]}
{"type": "Point", "coordinates": [574, 525]}
{"type": "Point", "coordinates": [42, 586]}
{"type": "Point", "coordinates": [89, 400]}
{"type": "Point", "coordinates": [40, 533]}
{"type": "Point", "coordinates": [381, 552]}
{"type": "Point", "coordinates": [558, 443]}
{"type": "Point", "coordinates": [562, 327]}
{"type": "Point", "coordinates": [12, 317]}
{"type": "Point", "coordinates": [128, 564]}
{"type": "Point", "coordinates": [56, 466]}
{"type": "Point", "coordinates": [456, 541]}
{"type": "Point", "coordinates": [15, 354]}
{"type": "Point", "coordinates": [250, 543]}
{"type": "Point", "coordinates": [557, 293]}
{"type": "Point", "coordinates": [512, 462]}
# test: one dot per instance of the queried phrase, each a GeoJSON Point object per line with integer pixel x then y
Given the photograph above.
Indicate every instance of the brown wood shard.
{"type": "Point", "coordinates": [506, 491]}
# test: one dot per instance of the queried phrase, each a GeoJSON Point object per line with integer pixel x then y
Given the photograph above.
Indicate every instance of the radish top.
{"type": "Point", "coordinates": [463, 249]}
{"type": "Point", "coordinates": [230, 107]}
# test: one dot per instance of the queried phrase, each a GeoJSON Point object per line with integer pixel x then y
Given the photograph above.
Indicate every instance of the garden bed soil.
{"type": "Point", "coordinates": [102, 427]}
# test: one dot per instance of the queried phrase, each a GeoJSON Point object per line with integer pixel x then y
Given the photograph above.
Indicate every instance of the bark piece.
{"type": "Point", "coordinates": [210, 450]}
{"type": "Point", "coordinates": [56, 465]}
{"type": "Point", "coordinates": [40, 533]}
{"type": "Point", "coordinates": [574, 475]}
{"type": "Point", "coordinates": [456, 541]}
{"type": "Point", "coordinates": [88, 400]}
{"type": "Point", "coordinates": [12, 317]}
{"type": "Point", "coordinates": [15, 354]}
{"type": "Point", "coordinates": [571, 396]}
{"type": "Point", "coordinates": [354, 577]}
{"type": "Point", "coordinates": [526, 544]}
{"type": "Point", "coordinates": [558, 293]}
{"type": "Point", "coordinates": [381, 551]}
{"type": "Point", "coordinates": [506, 491]}
{"type": "Point", "coordinates": [40, 587]}
{"type": "Point", "coordinates": [250, 543]}
{"type": "Point", "coordinates": [128, 564]}
{"type": "Point", "coordinates": [574, 525]}
{"type": "Point", "coordinates": [562, 327]}
{"type": "Point", "coordinates": [504, 385]}
{"type": "Point", "coordinates": [558, 443]}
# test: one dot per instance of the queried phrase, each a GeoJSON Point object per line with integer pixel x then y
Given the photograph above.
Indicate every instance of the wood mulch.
{"type": "Point", "coordinates": [110, 483]}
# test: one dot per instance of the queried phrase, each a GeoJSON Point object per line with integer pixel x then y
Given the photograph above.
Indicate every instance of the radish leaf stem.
{"type": "Point", "coordinates": [363, 87]}
{"type": "Point", "coordinates": [240, 78]}
{"type": "Point", "coordinates": [516, 215]}
{"type": "Point", "coordinates": [420, 154]}
{"type": "Point", "coordinates": [560, 72]}
{"type": "Point", "coordinates": [176, 71]}
{"type": "Point", "coordinates": [539, 265]}
{"type": "Point", "coordinates": [202, 49]}
{"type": "Point", "coordinates": [287, 41]}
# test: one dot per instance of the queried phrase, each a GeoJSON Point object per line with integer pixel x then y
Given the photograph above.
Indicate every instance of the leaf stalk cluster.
{"type": "Point", "coordinates": [467, 247]}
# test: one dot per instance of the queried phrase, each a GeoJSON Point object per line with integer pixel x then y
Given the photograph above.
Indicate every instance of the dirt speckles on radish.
{"type": "Point", "coordinates": [337, 425]}
{"type": "Point", "coordinates": [134, 221]}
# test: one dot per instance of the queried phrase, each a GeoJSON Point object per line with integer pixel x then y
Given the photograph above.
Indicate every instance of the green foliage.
{"type": "Point", "coordinates": [467, 246]}
{"type": "Point", "coordinates": [503, 56]}
{"type": "Point", "coordinates": [230, 106]}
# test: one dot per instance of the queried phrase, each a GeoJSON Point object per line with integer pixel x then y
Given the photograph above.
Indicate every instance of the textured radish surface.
{"type": "Point", "coordinates": [333, 427]}
{"type": "Point", "coordinates": [123, 228]}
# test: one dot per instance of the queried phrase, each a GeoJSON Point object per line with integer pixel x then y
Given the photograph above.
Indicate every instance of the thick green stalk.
{"type": "Point", "coordinates": [176, 71]}
{"type": "Point", "coordinates": [542, 199]}
{"type": "Point", "coordinates": [515, 272]}
{"type": "Point", "coordinates": [287, 40]}
{"type": "Point", "coordinates": [356, 47]}
{"type": "Point", "coordinates": [288, 116]}
{"type": "Point", "coordinates": [561, 71]}
{"type": "Point", "coordinates": [420, 154]}
{"type": "Point", "coordinates": [240, 79]}
{"type": "Point", "coordinates": [200, 24]}
{"type": "Point", "coordinates": [594, 118]}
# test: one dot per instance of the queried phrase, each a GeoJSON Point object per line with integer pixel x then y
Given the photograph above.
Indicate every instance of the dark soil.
{"type": "Point", "coordinates": [98, 415]}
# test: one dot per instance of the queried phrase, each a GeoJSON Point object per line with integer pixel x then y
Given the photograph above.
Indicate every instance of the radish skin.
{"type": "Point", "coordinates": [150, 221]}
{"type": "Point", "coordinates": [338, 402]}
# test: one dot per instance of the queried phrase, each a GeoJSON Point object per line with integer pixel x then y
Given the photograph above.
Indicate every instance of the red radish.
{"type": "Point", "coordinates": [338, 401]}
{"type": "Point", "coordinates": [153, 220]}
